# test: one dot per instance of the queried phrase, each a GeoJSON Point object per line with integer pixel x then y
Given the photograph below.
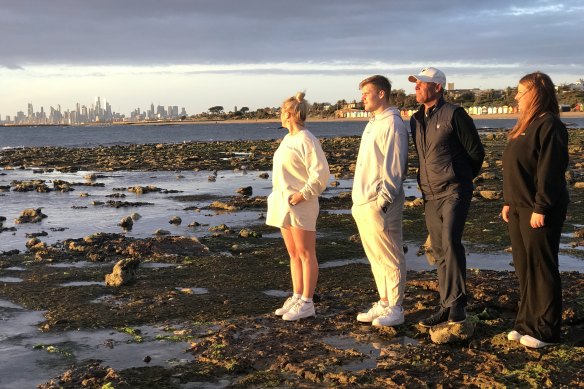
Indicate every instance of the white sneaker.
{"type": "Point", "coordinates": [514, 335]}
{"type": "Point", "coordinates": [287, 305]}
{"type": "Point", "coordinates": [376, 310]}
{"type": "Point", "coordinates": [394, 316]}
{"type": "Point", "coordinates": [300, 310]}
{"type": "Point", "coordinates": [532, 342]}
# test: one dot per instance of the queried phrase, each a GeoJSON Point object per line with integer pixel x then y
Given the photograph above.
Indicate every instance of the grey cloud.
{"type": "Point", "coordinates": [146, 32]}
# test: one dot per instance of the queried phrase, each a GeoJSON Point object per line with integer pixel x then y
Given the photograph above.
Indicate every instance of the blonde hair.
{"type": "Point", "coordinates": [542, 99]}
{"type": "Point", "coordinates": [297, 106]}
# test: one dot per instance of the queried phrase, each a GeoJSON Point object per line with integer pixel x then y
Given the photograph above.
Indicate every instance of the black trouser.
{"type": "Point", "coordinates": [535, 256]}
{"type": "Point", "coordinates": [445, 220]}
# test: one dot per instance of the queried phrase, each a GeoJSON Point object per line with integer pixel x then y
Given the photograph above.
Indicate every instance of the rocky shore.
{"type": "Point", "coordinates": [217, 293]}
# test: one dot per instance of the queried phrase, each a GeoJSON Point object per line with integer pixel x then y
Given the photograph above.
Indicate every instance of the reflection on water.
{"type": "Point", "coordinates": [83, 283]}
{"type": "Point", "coordinates": [22, 365]}
{"type": "Point", "coordinates": [10, 279]}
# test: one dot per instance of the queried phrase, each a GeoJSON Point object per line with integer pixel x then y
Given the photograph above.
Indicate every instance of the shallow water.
{"type": "Point", "coordinates": [55, 352]}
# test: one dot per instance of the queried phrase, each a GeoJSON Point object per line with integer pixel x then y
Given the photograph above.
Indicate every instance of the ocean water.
{"type": "Point", "coordinates": [90, 136]}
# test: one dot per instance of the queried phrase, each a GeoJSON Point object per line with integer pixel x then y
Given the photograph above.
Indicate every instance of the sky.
{"type": "Point", "coordinates": [255, 53]}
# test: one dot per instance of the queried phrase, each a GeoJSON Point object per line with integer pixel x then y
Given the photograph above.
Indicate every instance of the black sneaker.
{"type": "Point", "coordinates": [457, 315]}
{"type": "Point", "coordinates": [440, 317]}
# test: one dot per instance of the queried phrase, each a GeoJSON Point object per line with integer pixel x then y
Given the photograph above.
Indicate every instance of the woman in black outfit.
{"type": "Point", "coordinates": [536, 198]}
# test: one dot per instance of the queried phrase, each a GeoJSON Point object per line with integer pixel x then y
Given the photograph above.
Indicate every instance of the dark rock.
{"type": "Point", "coordinates": [245, 191]}
{"type": "Point", "coordinates": [124, 272]}
{"type": "Point", "coordinates": [30, 215]}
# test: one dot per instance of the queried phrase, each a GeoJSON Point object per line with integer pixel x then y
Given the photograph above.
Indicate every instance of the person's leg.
{"type": "Point", "coordinates": [520, 263]}
{"type": "Point", "coordinates": [295, 261]}
{"type": "Point", "coordinates": [305, 248]}
{"type": "Point", "coordinates": [543, 289]}
{"type": "Point", "coordinates": [454, 212]}
{"type": "Point", "coordinates": [433, 218]}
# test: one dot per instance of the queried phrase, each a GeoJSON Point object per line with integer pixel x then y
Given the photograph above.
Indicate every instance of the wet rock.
{"type": "Point", "coordinates": [97, 203]}
{"type": "Point", "coordinates": [223, 206]}
{"type": "Point", "coordinates": [417, 202]}
{"type": "Point", "coordinates": [579, 233]}
{"type": "Point", "coordinates": [161, 232]}
{"type": "Point", "coordinates": [265, 176]}
{"type": "Point", "coordinates": [245, 191]}
{"type": "Point", "coordinates": [36, 234]}
{"type": "Point", "coordinates": [220, 228]}
{"type": "Point", "coordinates": [4, 188]}
{"type": "Point", "coordinates": [124, 272]}
{"type": "Point", "coordinates": [126, 223]}
{"type": "Point", "coordinates": [452, 333]}
{"type": "Point", "coordinates": [116, 195]}
{"type": "Point", "coordinates": [90, 176]}
{"type": "Point", "coordinates": [194, 224]}
{"type": "Point", "coordinates": [579, 185]}
{"type": "Point", "coordinates": [212, 178]}
{"type": "Point", "coordinates": [136, 216]}
{"type": "Point", "coordinates": [570, 177]}
{"type": "Point", "coordinates": [426, 249]}
{"type": "Point", "coordinates": [491, 194]}
{"type": "Point", "coordinates": [247, 233]}
{"type": "Point", "coordinates": [29, 186]}
{"type": "Point", "coordinates": [120, 204]}
{"type": "Point", "coordinates": [62, 186]}
{"type": "Point", "coordinates": [30, 215]}
{"type": "Point", "coordinates": [84, 194]}
{"type": "Point", "coordinates": [175, 220]}
{"type": "Point", "coordinates": [92, 375]}
{"type": "Point", "coordinates": [334, 184]}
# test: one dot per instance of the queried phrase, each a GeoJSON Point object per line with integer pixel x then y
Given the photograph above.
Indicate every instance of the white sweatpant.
{"type": "Point", "coordinates": [382, 239]}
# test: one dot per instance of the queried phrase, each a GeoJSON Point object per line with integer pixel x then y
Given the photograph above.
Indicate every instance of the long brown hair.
{"type": "Point", "coordinates": [543, 99]}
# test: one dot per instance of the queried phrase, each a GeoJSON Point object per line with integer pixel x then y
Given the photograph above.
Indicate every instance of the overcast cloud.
{"type": "Point", "coordinates": [342, 37]}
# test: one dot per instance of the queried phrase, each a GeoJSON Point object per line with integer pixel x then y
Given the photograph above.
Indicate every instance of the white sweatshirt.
{"type": "Point", "coordinates": [300, 166]}
{"type": "Point", "coordinates": [382, 162]}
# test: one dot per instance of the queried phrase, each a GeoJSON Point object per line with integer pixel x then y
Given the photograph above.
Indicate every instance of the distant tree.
{"type": "Point", "coordinates": [244, 110]}
{"type": "Point", "coordinates": [216, 109]}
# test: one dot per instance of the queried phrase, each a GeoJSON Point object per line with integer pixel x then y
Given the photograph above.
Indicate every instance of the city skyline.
{"type": "Point", "coordinates": [257, 53]}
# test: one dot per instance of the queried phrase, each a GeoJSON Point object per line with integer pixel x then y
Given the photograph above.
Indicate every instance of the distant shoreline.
{"type": "Point", "coordinates": [563, 115]}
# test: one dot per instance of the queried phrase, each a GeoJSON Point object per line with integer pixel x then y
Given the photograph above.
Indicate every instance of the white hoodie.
{"type": "Point", "coordinates": [382, 162]}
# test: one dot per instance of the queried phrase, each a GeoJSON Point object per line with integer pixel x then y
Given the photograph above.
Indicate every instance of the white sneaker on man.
{"type": "Point", "coordinates": [532, 342]}
{"type": "Point", "coordinates": [290, 301]}
{"type": "Point", "coordinates": [300, 310]}
{"type": "Point", "coordinates": [514, 336]}
{"type": "Point", "coordinates": [376, 310]}
{"type": "Point", "coordinates": [394, 316]}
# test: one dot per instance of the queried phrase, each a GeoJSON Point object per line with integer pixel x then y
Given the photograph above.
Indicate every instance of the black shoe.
{"type": "Point", "coordinates": [440, 317]}
{"type": "Point", "coordinates": [457, 315]}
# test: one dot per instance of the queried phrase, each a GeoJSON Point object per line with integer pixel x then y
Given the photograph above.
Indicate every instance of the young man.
{"type": "Point", "coordinates": [378, 198]}
{"type": "Point", "coordinates": [450, 154]}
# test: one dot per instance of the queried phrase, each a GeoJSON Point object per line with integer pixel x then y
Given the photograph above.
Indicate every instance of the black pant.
{"type": "Point", "coordinates": [535, 256]}
{"type": "Point", "coordinates": [445, 220]}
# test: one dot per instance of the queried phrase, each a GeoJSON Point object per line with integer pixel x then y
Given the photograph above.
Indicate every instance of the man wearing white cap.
{"type": "Point", "coordinates": [450, 154]}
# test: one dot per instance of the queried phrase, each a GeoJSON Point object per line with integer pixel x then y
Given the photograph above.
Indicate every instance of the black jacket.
{"type": "Point", "coordinates": [534, 166]}
{"type": "Point", "coordinates": [449, 150]}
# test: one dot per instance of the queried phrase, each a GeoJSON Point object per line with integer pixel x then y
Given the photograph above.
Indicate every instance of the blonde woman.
{"type": "Point", "coordinates": [300, 174]}
{"type": "Point", "coordinates": [536, 200]}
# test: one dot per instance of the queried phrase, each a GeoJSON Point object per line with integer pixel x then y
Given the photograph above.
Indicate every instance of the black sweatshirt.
{"type": "Point", "coordinates": [534, 166]}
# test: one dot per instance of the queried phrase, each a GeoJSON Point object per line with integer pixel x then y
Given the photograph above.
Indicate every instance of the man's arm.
{"type": "Point", "coordinates": [468, 135]}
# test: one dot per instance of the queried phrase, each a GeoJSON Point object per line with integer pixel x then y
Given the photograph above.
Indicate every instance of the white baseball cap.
{"type": "Point", "coordinates": [430, 75]}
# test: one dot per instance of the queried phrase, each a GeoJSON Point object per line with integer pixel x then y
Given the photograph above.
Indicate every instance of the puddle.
{"type": "Point", "coordinates": [15, 268]}
{"type": "Point", "coordinates": [83, 283]}
{"type": "Point", "coordinates": [343, 262]}
{"type": "Point", "coordinates": [276, 293]}
{"type": "Point", "coordinates": [474, 260]}
{"type": "Point", "coordinates": [371, 351]}
{"type": "Point", "coordinates": [157, 265]}
{"type": "Point", "coordinates": [29, 357]}
{"type": "Point", "coordinates": [11, 279]}
{"type": "Point", "coordinates": [78, 265]}
{"type": "Point", "coordinates": [193, 290]}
